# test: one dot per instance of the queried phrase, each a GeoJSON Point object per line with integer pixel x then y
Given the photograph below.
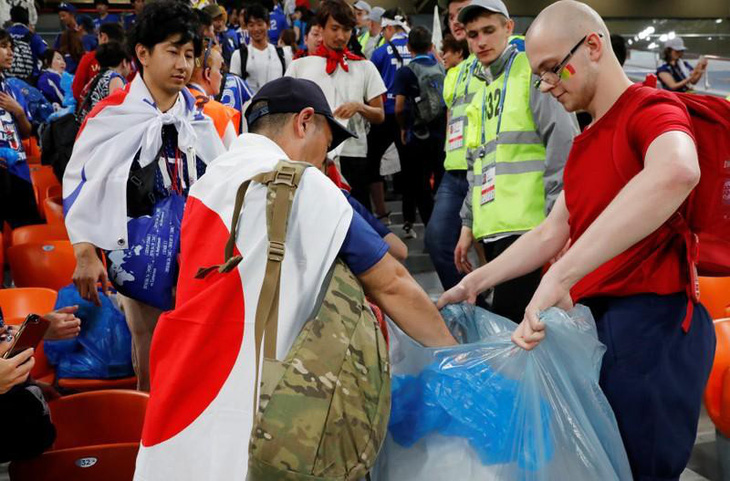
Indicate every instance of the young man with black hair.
{"type": "Point", "coordinates": [312, 40]}
{"type": "Point", "coordinates": [28, 47]}
{"type": "Point", "coordinates": [138, 151]}
{"type": "Point", "coordinates": [88, 66]}
{"type": "Point", "coordinates": [353, 88]}
{"type": "Point", "coordinates": [260, 61]}
{"type": "Point", "coordinates": [102, 8]}
{"type": "Point", "coordinates": [422, 138]}
{"type": "Point", "coordinates": [388, 58]}
{"type": "Point", "coordinates": [17, 199]}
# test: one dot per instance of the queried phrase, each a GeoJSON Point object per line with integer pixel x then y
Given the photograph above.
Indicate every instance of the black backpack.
{"type": "Point", "coordinates": [23, 59]}
{"type": "Point", "coordinates": [243, 50]}
{"type": "Point", "coordinates": [429, 105]}
{"type": "Point", "coordinates": [59, 137]}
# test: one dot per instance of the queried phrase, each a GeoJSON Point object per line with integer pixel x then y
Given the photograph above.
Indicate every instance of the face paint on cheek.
{"type": "Point", "coordinates": [567, 72]}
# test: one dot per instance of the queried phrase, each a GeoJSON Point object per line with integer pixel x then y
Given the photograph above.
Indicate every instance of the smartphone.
{"type": "Point", "coordinates": [30, 334]}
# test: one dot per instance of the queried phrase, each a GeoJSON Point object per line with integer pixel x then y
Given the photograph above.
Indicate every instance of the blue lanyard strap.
{"type": "Point", "coordinates": [501, 101]}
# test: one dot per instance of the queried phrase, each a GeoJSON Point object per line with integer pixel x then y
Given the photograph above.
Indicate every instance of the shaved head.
{"type": "Point", "coordinates": [570, 43]}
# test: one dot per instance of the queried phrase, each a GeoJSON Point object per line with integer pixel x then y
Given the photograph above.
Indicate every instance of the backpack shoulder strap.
{"type": "Point", "coordinates": [282, 59]}
{"type": "Point", "coordinates": [282, 183]}
{"type": "Point", "coordinates": [243, 51]}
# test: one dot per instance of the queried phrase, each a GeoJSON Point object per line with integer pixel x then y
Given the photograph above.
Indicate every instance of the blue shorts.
{"type": "Point", "coordinates": [654, 376]}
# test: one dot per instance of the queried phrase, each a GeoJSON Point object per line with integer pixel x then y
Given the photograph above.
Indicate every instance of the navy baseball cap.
{"type": "Point", "coordinates": [291, 95]}
{"type": "Point", "coordinates": [66, 7]}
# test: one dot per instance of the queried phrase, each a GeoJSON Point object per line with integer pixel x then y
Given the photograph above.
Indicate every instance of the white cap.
{"type": "Point", "coordinates": [376, 14]}
{"type": "Point", "coordinates": [494, 6]}
{"type": "Point", "coordinates": [362, 5]}
{"type": "Point", "coordinates": [675, 43]}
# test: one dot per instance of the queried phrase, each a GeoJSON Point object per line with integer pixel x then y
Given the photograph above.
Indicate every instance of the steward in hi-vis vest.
{"type": "Point", "coordinates": [517, 142]}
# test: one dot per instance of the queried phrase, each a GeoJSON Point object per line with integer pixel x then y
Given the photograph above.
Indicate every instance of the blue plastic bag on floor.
{"type": "Point", "coordinates": [488, 410]}
{"type": "Point", "coordinates": [103, 349]}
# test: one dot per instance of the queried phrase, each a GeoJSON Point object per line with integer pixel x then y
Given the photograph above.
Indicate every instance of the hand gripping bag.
{"type": "Point", "coordinates": [489, 410]}
{"type": "Point", "coordinates": [103, 349]}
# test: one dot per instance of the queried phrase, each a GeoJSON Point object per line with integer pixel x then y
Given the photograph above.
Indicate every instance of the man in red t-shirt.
{"type": "Point", "coordinates": [627, 176]}
{"type": "Point", "coordinates": [88, 66]}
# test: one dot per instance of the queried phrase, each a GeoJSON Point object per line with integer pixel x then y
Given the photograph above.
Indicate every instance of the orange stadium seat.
{"type": "Point", "coordinates": [54, 190]}
{"type": "Point", "coordinates": [715, 295]}
{"type": "Point", "coordinates": [50, 264]}
{"type": "Point", "coordinates": [717, 392]}
{"type": "Point", "coordinates": [19, 302]}
{"type": "Point", "coordinates": [42, 177]}
{"type": "Point", "coordinates": [98, 439]}
{"type": "Point", "coordinates": [53, 209]}
{"type": "Point", "coordinates": [37, 234]}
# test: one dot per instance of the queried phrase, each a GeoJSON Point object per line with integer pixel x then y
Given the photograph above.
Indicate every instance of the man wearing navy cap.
{"type": "Point", "coordinates": [289, 119]}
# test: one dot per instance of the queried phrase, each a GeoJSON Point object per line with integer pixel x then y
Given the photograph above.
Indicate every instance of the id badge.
{"type": "Point", "coordinates": [456, 134]}
{"type": "Point", "coordinates": [487, 183]}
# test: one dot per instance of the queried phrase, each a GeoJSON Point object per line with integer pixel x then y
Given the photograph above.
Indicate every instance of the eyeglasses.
{"type": "Point", "coordinates": [552, 76]}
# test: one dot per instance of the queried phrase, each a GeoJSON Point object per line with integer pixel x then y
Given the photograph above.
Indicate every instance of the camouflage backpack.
{"type": "Point", "coordinates": [322, 411]}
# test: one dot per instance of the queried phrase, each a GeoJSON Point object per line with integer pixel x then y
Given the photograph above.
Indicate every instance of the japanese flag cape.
{"type": "Point", "coordinates": [200, 414]}
{"type": "Point", "coordinates": [95, 180]}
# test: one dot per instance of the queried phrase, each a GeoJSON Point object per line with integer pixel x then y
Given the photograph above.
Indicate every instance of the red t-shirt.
{"type": "Point", "coordinates": [87, 70]}
{"type": "Point", "coordinates": [602, 161]}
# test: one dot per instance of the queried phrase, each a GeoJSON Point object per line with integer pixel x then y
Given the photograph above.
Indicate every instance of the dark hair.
{"type": "Point", "coordinates": [419, 40]}
{"type": "Point", "coordinates": [5, 36]}
{"type": "Point", "coordinates": [19, 14]}
{"type": "Point", "coordinates": [161, 20]}
{"type": "Point", "coordinates": [111, 54]}
{"type": "Point", "coordinates": [113, 31]}
{"type": "Point", "coordinates": [619, 47]}
{"type": "Point", "coordinates": [204, 18]}
{"type": "Point", "coordinates": [256, 12]}
{"type": "Point", "coordinates": [340, 11]}
{"type": "Point", "coordinates": [47, 57]}
{"type": "Point", "coordinates": [308, 27]}
{"type": "Point", "coordinates": [101, 2]}
{"type": "Point", "coordinates": [450, 44]}
{"type": "Point", "coordinates": [86, 22]}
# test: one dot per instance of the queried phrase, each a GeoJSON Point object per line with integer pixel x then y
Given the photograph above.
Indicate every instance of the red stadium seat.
{"type": "Point", "coordinates": [98, 439]}
{"type": "Point", "coordinates": [37, 234]}
{"type": "Point", "coordinates": [50, 264]}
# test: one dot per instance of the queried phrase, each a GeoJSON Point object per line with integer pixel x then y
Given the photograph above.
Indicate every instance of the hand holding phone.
{"type": "Point", "coordinates": [29, 335]}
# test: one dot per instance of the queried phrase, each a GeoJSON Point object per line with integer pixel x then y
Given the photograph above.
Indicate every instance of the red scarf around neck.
{"type": "Point", "coordinates": [336, 57]}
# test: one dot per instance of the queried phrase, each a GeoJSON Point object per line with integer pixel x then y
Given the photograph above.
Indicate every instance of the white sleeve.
{"type": "Point", "coordinates": [374, 85]}
{"type": "Point", "coordinates": [288, 56]}
{"type": "Point", "coordinates": [236, 63]}
{"type": "Point", "coordinates": [291, 70]}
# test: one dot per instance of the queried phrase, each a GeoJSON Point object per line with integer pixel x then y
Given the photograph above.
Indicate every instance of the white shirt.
{"type": "Point", "coordinates": [262, 66]}
{"type": "Point", "coordinates": [361, 84]}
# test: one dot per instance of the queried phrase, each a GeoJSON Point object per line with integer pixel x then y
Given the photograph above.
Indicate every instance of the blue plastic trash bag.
{"type": "Point", "coordinates": [67, 81]}
{"type": "Point", "coordinates": [103, 349]}
{"type": "Point", "coordinates": [9, 156]}
{"type": "Point", "coordinates": [38, 106]}
{"type": "Point", "coordinates": [147, 270]}
{"type": "Point", "coordinates": [489, 410]}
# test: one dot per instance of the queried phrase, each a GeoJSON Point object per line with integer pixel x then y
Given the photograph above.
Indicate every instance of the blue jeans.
{"type": "Point", "coordinates": [444, 227]}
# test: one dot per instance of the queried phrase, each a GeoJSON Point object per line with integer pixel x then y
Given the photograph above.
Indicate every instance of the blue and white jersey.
{"type": "Point", "coordinates": [236, 93]}
{"type": "Point", "coordinates": [388, 63]}
{"type": "Point", "coordinates": [110, 18]}
{"type": "Point", "coordinates": [10, 135]}
{"type": "Point", "coordinates": [277, 24]}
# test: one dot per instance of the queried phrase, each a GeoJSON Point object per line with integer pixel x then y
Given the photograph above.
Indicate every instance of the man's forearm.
{"type": "Point", "coordinates": [24, 126]}
{"type": "Point", "coordinates": [403, 300]}
{"type": "Point", "coordinates": [374, 115]}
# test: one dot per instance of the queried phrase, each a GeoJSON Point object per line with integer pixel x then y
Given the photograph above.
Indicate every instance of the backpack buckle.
{"type": "Point", "coordinates": [285, 176]}
{"type": "Point", "coordinates": [276, 251]}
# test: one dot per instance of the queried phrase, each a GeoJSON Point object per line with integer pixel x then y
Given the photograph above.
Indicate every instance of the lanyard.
{"type": "Point", "coordinates": [501, 102]}
{"type": "Point", "coordinates": [469, 71]}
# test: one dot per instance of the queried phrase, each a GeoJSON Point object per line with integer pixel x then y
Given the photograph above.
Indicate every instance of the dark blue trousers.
{"type": "Point", "coordinates": [654, 375]}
